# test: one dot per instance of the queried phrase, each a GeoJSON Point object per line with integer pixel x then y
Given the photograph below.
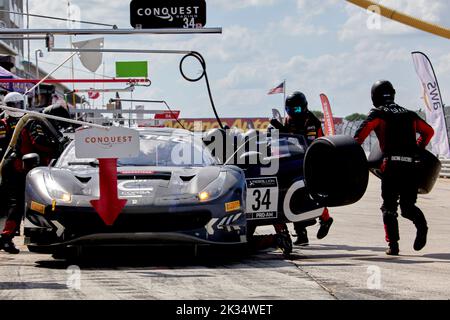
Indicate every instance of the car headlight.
{"type": "Point", "coordinates": [55, 191]}
{"type": "Point", "coordinates": [214, 189]}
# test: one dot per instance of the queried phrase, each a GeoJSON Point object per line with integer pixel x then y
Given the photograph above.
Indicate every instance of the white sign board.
{"type": "Point", "coordinates": [111, 143]}
{"type": "Point", "coordinates": [262, 198]}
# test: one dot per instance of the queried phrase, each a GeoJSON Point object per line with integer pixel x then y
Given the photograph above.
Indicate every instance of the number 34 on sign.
{"type": "Point", "coordinates": [262, 198]}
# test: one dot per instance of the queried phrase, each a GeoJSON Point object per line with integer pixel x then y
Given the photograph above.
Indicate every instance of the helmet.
{"type": "Point", "coordinates": [58, 110]}
{"type": "Point", "coordinates": [296, 104]}
{"type": "Point", "coordinates": [383, 92]}
{"type": "Point", "coordinates": [14, 100]}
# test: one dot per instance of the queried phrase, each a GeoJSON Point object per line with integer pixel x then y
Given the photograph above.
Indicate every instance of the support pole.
{"type": "Point", "coordinates": [117, 32]}
{"type": "Point", "coordinates": [50, 81]}
{"type": "Point", "coordinates": [49, 75]}
{"type": "Point", "coordinates": [47, 116]}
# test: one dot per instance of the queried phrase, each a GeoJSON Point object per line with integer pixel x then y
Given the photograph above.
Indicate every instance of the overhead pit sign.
{"type": "Point", "coordinates": [116, 142]}
{"type": "Point", "coordinates": [162, 14]}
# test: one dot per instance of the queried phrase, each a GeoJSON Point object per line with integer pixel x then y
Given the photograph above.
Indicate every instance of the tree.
{"type": "Point", "coordinates": [356, 117]}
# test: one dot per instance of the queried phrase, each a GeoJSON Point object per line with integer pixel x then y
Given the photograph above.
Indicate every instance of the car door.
{"type": "Point", "coordinates": [281, 196]}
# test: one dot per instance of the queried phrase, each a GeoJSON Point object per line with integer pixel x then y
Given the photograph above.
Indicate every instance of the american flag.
{"type": "Point", "coordinates": [277, 89]}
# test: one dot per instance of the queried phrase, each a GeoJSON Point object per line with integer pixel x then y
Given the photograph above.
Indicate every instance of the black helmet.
{"type": "Point", "coordinates": [296, 104]}
{"type": "Point", "coordinates": [383, 92]}
{"type": "Point", "coordinates": [58, 110]}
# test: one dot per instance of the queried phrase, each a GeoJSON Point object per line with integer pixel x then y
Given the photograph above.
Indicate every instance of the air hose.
{"type": "Point", "coordinates": [201, 60]}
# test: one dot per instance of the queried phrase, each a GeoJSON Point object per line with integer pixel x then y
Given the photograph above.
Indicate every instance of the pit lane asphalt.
{"type": "Point", "coordinates": [349, 264]}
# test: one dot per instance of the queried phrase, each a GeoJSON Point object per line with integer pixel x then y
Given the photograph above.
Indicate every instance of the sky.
{"type": "Point", "coordinates": [326, 46]}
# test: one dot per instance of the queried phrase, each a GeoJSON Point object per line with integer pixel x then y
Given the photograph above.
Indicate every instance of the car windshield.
{"type": "Point", "coordinates": [155, 151]}
{"type": "Point", "coordinates": [288, 145]}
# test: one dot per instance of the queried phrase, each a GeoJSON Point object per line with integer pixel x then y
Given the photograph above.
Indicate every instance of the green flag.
{"type": "Point", "coordinates": [132, 69]}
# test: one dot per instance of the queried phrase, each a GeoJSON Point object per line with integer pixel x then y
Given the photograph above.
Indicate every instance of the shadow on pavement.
{"type": "Point", "coordinates": [333, 256]}
{"type": "Point", "coordinates": [342, 247]}
{"type": "Point", "coordinates": [31, 285]}
{"type": "Point", "coordinates": [328, 264]}
{"type": "Point", "coordinates": [438, 256]}
{"type": "Point", "coordinates": [318, 252]}
{"type": "Point", "coordinates": [154, 274]}
{"type": "Point", "coordinates": [402, 259]}
{"type": "Point", "coordinates": [173, 257]}
{"type": "Point", "coordinates": [398, 260]}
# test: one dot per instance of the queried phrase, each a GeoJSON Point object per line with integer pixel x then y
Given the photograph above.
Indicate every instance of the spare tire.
{"type": "Point", "coordinates": [428, 168]}
{"type": "Point", "coordinates": [428, 171]}
{"type": "Point", "coordinates": [375, 160]}
{"type": "Point", "coordinates": [336, 171]}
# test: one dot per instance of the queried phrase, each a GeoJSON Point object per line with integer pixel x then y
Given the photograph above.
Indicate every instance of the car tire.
{"type": "Point", "coordinates": [336, 171]}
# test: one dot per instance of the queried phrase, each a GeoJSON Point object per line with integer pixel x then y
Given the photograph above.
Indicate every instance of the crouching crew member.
{"type": "Point", "coordinates": [7, 126]}
{"type": "Point", "coordinates": [303, 122]}
{"type": "Point", "coordinates": [36, 136]}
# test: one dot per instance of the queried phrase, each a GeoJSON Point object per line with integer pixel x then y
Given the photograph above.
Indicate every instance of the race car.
{"type": "Point", "coordinates": [289, 180]}
{"type": "Point", "coordinates": [176, 192]}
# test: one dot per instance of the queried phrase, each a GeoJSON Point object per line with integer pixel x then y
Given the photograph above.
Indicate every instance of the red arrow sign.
{"type": "Point", "coordinates": [109, 206]}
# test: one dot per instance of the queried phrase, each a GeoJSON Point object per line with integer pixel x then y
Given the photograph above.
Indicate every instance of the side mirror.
{"type": "Point", "coordinates": [52, 163]}
{"type": "Point", "coordinates": [30, 161]}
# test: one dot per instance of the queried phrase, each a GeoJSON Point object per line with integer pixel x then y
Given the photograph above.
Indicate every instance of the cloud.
{"type": "Point", "coordinates": [109, 12]}
{"type": "Point", "coordinates": [343, 76]}
{"type": "Point", "coordinates": [297, 26]}
{"type": "Point", "coordinates": [444, 64]}
{"type": "Point", "coordinates": [241, 4]}
{"type": "Point", "coordinates": [237, 43]}
{"type": "Point", "coordinates": [305, 20]}
{"type": "Point", "coordinates": [311, 8]}
{"type": "Point", "coordinates": [325, 70]}
{"type": "Point", "coordinates": [247, 60]}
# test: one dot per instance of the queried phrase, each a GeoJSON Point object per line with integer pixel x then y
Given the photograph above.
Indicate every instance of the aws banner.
{"type": "Point", "coordinates": [434, 105]}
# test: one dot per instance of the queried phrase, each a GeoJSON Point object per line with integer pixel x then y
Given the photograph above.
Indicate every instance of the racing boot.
{"type": "Point", "coordinates": [302, 238]}
{"type": "Point", "coordinates": [392, 232]}
{"type": "Point", "coordinates": [284, 242]}
{"type": "Point", "coordinates": [421, 238]}
{"type": "Point", "coordinates": [413, 213]}
{"type": "Point", "coordinates": [7, 244]}
{"type": "Point", "coordinates": [324, 228]}
{"type": "Point", "coordinates": [393, 249]}
{"type": "Point", "coordinates": [416, 215]}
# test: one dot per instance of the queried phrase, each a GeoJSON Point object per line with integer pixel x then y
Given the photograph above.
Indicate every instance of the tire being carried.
{"type": "Point", "coordinates": [427, 170]}
{"type": "Point", "coordinates": [336, 171]}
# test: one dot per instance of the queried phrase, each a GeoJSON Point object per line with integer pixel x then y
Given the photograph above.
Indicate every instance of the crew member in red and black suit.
{"type": "Point", "coordinates": [35, 137]}
{"type": "Point", "coordinates": [7, 126]}
{"type": "Point", "coordinates": [397, 129]}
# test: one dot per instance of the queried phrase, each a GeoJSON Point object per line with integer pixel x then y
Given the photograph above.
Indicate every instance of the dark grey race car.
{"type": "Point", "coordinates": [177, 193]}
